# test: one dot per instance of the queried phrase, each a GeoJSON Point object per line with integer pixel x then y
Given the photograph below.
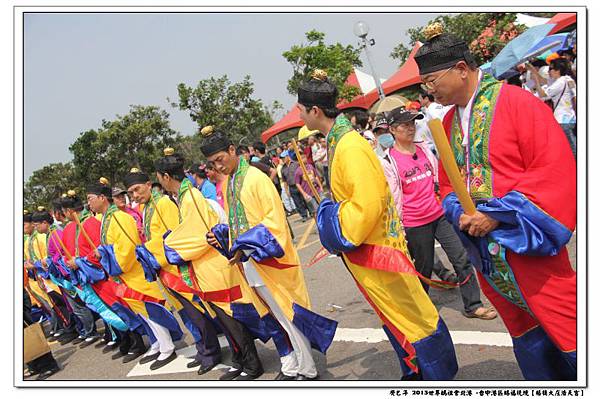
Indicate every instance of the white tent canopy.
{"type": "Point", "coordinates": [530, 21]}
{"type": "Point", "coordinates": [365, 81]}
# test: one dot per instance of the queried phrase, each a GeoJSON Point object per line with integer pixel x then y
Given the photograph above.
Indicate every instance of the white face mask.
{"type": "Point", "coordinates": [386, 140]}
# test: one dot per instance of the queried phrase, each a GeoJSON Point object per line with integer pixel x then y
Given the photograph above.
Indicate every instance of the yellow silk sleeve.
{"type": "Point", "coordinates": [189, 238]}
{"type": "Point", "coordinates": [264, 207]}
{"type": "Point", "coordinates": [25, 251]}
{"type": "Point", "coordinates": [364, 191]}
{"type": "Point", "coordinates": [165, 216]}
{"type": "Point", "coordinates": [121, 239]}
{"type": "Point", "coordinates": [39, 246]}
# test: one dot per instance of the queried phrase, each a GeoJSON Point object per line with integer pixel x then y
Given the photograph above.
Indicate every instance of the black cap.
{"type": "Point", "coordinates": [70, 200]}
{"type": "Point", "coordinates": [213, 141]}
{"type": "Point", "coordinates": [318, 91]}
{"type": "Point", "coordinates": [27, 216]}
{"type": "Point", "coordinates": [135, 176]}
{"type": "Point", "coordinates": [441, 50]}
{"type": "Point", "coordinates": [42, 215]}
{"type": "Point", "coordinates": [100, 188]}
{"type": "Point", "coordinates": [381, 123]}
{"type": "Point", "coordinates": [401, 115]}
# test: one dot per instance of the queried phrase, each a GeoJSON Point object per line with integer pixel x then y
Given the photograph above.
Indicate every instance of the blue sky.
{"type": "Point", "coordinates": [82, 68]}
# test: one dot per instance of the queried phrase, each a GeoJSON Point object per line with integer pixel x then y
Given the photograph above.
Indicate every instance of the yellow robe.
{"type": "Point", "coordinates": [367, 215]}
{"type": "Point", "coordinates": [40, 251]}
{"type": "Point", "coordinates": [124, 241]}
{"type": "Point", "coordinates": [162, 217]}
{"type": "Point", "coordinates": [211, 269]}
{"type": "Point", "coordinates": [262, 205]}
{"type": "Point", "coordinates": [32, 283]}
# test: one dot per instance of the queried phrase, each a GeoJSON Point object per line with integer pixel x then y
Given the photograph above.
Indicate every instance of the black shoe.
{"type": "Point", "coordinates": [304, 220]}
{"type": "Point", "coordinates": [149, 358]}
{"type": "Point", "coordinates": [230, 375]}
{"type": "Point", "coordinates": [160, 363]}
{"type": "Point", "coordinates": [52, 338]}
{"type": "Point", "coordinates": [205, 369]}
{"type": "Point", "coordinates": [412, 377]}
{"type": "Point", "coordinates": [45, 374]}
{"type": "Point", "coordinates": [88, 341]}
{"type": "Point", "coordinates": [248, 377]}
{"type": "Point", "coordinates": [301, 377]}
{"type": "Point", "coordinates": [66, 338]}
{"type": "Point", "coordinates": [78, 340]}
{"type": "Point", "coordinates": [118, 355]}
{"type": "Point", "coordinates": [110, 348]}
{"type": "Point", "coordinates": [132, 356]}
{"type": "Point", "coordinates": [100, 344]}
{"type": "Point", "coordinates": [193, 364]}
{"type": "Point", "coordinates": [283, 377]}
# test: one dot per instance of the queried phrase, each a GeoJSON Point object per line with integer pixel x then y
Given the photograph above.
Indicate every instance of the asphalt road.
{"type": "Point", "coordinates": [482, 347]}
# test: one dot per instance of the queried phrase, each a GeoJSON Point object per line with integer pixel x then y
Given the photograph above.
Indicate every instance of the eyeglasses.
{"type": "Point", "coordinates": [432, 84]}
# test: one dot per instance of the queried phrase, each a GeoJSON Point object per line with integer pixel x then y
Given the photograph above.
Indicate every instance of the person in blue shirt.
{"type": "Point", "coordinates": [206, 187]}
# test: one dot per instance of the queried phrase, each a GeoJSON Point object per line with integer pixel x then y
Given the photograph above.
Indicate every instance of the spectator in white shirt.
{"type": "Point", "coordinates": [430, 110]}
{"type": "Point", "coordinates": [563, 92]}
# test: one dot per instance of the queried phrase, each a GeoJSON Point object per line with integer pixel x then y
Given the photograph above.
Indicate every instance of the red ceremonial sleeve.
{"type": "Point", "coordinates": [549, 178]}
{"type": "Point", "coordinates": [92, 228]}
{"type": "Point", "coordinates": [68, 238]}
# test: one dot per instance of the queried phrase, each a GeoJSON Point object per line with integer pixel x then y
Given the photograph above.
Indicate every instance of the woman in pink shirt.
{"type": "Point", "coordinates": [411, 171]}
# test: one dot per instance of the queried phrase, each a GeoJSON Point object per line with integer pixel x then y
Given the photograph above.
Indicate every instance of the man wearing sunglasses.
{"type": "Point", "coordinates": [511, 153]}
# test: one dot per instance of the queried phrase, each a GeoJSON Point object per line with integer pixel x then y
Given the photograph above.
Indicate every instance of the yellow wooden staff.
{"type": "Point", "coordinates": [450, 166]}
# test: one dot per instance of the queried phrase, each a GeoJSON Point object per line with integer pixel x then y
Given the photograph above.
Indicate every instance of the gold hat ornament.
{"type": "Point", "coordinates": [167, 151]}
{"type": "Point", "coordinates": [71, 193]}
{"type": "Point", "coordinates": [433, 30]}
{"type": "Point", "coordinates": [207, 130]}
{"type": "Point", "coordinates": [64, 195]}
{"type": "Point", "coordinates": [25, 212]}
{"type": "Point", "coordinates": [103, 181]}
{"type": "Point", "coordinates": [319, 74]}
{"type": "Point", "coordinates": [41, 208]}
{"type": "Point", "coordinates": [134, 170]}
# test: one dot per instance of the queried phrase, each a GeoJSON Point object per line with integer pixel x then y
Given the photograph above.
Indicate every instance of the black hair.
{"type": "Point", "coordinates": [260, 147]}
{"type": "Point", "coordinates": [171, 165]}
{"type": "Point", "coordinates": [430, 97]}
{"type": "Point", "coordinates": [362, 118]}
{"type": "Point", "coordinates": [562, 65]}
{"type": "Point", "coordinates": [331, 113]}
{"type": "Point", "coordinates": [538, 63]}
{"type": "Point", "coordinates": [515, 80]}
{"type": "Point", "coordinates": [198, 169]}
{"type": "Point", "coordinates": [241, 149]}
{"type": "Point", "coordinates": [57, 205]}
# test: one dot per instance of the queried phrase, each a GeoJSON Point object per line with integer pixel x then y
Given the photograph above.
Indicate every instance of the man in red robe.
{"type": "Point", "coordinates": [520, 173]}
{"type": "Point", "coordinates": [80, 240]}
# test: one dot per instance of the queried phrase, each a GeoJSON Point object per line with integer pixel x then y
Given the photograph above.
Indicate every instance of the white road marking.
{"type": "Point", "coordinates": [366, 335]}
{"type": "Point", "coordinates": [374, 335]}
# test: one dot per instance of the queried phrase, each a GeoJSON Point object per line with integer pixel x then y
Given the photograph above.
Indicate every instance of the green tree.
{"type": "Point", "coordinates": [497, 29]}
{"type": "Point", "coordinates": [336, 59]}
{"type": "Point", "coordinates": [48, 183]}
{"type": "Point", "coordinates": [135, 139]}
{"type": "Point", "coordinates": [227, 106]}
